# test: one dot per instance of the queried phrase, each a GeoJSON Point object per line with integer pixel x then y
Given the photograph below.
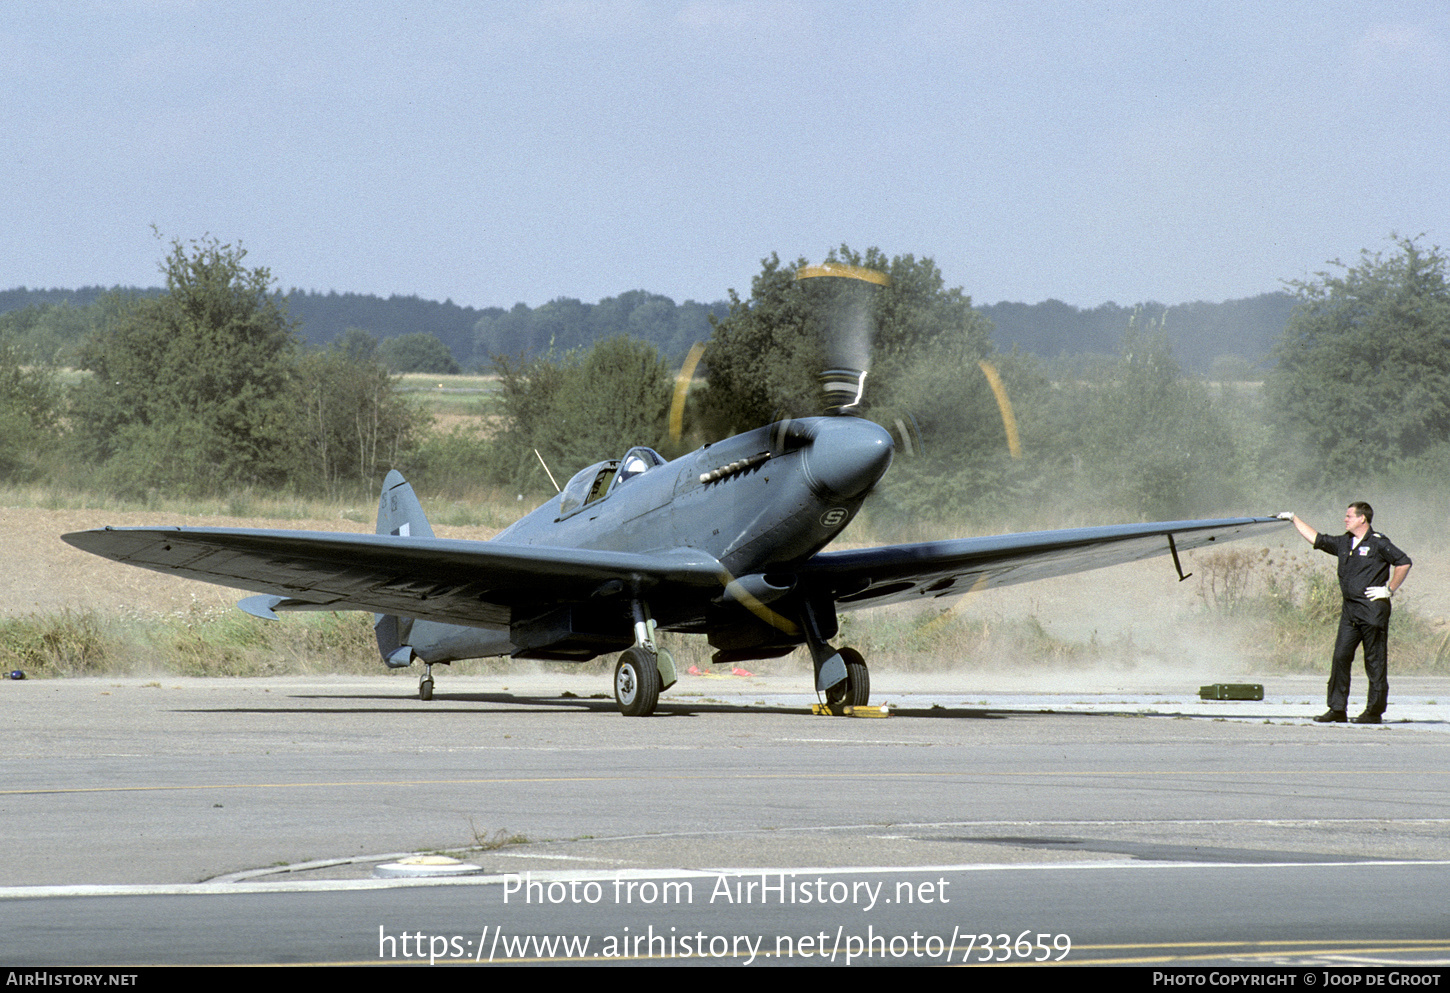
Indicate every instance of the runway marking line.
{"type": "Point", "coordinates": [1317, 948]}
{"type": "Point", "coordinates": [223, 886]}
{"type": "Point", "coordinates": [1313, 948]}
{"type": "Point", "coordinates": [813, 775]}
{"type": "Point", "coordinates": [1437, 943]}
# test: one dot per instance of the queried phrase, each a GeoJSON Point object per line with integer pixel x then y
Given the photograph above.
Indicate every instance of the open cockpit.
{"type": "Point", "coordinates": [603, 478]}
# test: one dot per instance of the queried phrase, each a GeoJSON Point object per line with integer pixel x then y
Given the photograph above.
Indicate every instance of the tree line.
{"type": "Point", "coordinates": [1359, 394]}
{"type": "Point", "coordinates": [203, 388]}
{"type": "Point", "coordinates": [207, 387]}
{"type": "Point", "coordinates": [1232, 340]}
{"type": "Point", "coordinates": [1229, 340]}
{"type": "Point", "coordinates": [416, 335]}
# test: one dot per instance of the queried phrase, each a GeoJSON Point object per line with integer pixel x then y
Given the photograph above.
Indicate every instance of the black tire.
{"type": "Point", "coordinates": [855, 689]}
{"type": "Point", "coordinates": [637, 682]}
{"type": "Point", "coordinates": [425, 690]}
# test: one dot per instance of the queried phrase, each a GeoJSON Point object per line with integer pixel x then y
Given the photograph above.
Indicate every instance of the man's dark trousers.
{"type": "Point", "coordinates": [1375, 639]}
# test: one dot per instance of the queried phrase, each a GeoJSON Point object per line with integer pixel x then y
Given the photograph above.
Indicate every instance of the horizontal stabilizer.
{"type": "Point", "coordinates": [266, 607]}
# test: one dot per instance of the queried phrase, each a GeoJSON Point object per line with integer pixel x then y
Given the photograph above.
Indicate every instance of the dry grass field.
{"type": "Point", "coordinates": [39, 573]}
{"type": "Point", "coordinates": [1127, 618]}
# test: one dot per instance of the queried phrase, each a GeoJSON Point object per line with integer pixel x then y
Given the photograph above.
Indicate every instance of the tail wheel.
{"type": "Point", "coordinates": [637, 682]}
{"type": "Point", "coordinates": [855, 689]}
{"type": "Point", "coordinates": [425, 689]}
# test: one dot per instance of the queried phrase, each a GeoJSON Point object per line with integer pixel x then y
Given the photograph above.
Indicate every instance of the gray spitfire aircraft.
{"type": "Point", "coordinates": [725, 541]}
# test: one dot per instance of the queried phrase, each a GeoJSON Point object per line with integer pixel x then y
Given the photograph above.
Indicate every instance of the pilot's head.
{"type": "Point", "coordinates": [633, 466]}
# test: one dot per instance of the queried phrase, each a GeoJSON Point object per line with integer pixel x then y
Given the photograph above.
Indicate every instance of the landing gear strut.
{"type": "Point", "coordinates": [841, 676]}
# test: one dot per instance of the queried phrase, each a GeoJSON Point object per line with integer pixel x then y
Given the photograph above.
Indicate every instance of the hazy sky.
{"type": "Point", "coordinates": [495, 153]}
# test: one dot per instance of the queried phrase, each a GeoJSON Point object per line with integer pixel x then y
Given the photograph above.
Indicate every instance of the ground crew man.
{"type": "Point", "coordinates": [1371, 569]}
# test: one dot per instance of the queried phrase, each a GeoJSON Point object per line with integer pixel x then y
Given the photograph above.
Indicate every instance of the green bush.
{"type": "Point", "coordinates": [578, 409]}
{"type": "Point", "coordinates": [70, 643]}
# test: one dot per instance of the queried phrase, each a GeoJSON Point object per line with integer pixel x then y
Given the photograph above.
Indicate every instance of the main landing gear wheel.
{"type": "Point", "coordinates": [855, 689]}
{"type": "Point", "coordinates": [637, 682]}
{"type": "Point", "coordinates": [425, 688]}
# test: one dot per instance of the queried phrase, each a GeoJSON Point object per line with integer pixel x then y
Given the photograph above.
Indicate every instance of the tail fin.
{"type": "Point", "coordinates": [399, 513]}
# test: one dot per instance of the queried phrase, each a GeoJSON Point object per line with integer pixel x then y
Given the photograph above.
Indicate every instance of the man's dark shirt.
{"type": "Point", "coordinates": [1361, 567]}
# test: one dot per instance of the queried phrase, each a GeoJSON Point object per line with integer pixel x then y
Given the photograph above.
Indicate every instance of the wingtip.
{"type": "Point", "coordinates": [79, 539]}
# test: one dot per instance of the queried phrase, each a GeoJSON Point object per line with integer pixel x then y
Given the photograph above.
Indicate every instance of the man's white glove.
{"type": "Point", "coordinates": [1287, 515]}
{"type": "Point", "coordinates": [1379, 592]}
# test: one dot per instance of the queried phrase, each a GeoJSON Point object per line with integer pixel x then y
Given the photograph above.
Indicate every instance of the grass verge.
{"type": "Point", "coordinates": [196, 643]}
{"type": "Point", "coordinates": [1286, 606]}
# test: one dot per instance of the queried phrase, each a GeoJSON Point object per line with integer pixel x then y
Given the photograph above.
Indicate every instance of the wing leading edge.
{"type": "Point", "coordinates": [481, 584]}
{"type": "Point", "coordinates": [872, 577]}
{"type": "Point", "coordinates": [476, 583]}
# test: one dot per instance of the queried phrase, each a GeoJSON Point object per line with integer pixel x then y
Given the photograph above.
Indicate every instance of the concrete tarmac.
{"type": "Point", "coordinates": [121, 785]}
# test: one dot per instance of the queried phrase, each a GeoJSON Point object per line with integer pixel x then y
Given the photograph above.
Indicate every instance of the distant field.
{"type": "Point", "coordinates": [424, 382]}
{"type": "Point", "coordinates": [466, 401]}
{"type": "Point", "coordinates": [448, 397]}
{"type": "Point", "coordinates": [474, 386]}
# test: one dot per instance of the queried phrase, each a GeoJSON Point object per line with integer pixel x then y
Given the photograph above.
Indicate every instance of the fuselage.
{"type": "Point", "coordinates": [754, 501]}
{"type": "Point", "coordinates": [757, 502]}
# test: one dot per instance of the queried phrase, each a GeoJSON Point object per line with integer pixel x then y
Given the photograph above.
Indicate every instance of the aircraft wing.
{"type": "Point", "coordinates": [872, 577]}
{"type": "Point", "coordinates": [478, 583]}
{"type": "Point", "coordinates": [458, 582]}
